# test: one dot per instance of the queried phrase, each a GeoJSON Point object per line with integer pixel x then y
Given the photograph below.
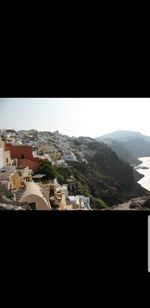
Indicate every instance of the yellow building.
{"type": "Point", "coordinates": [18, 179]}
{"type": "Point", "coordinates": [16, 182]}
{"type": "Point", "coordinates": [63, 204]}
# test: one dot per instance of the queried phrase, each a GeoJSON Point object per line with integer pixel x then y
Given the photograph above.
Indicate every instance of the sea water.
{"type": "Point", "coordinates": [145, 181]}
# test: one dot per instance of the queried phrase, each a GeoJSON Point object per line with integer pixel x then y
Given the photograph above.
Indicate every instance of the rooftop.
{"type": "Point", "coordinates": [38, 176]}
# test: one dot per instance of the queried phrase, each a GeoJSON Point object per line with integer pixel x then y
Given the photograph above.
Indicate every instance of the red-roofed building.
{"type": "Point", "coordinates": [24, 156]}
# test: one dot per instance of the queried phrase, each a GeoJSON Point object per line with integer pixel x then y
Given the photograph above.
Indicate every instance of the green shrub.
{"type": "Point", "coordinates": [97, 203]}
{"type": "Point", "coordinates": [47, 169]}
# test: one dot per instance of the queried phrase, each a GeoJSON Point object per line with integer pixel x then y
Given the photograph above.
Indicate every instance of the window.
{"type": "Point", "coordinates": [32, 205]}
{"type": "Point", "coordinates": [6, 160]}
{"type": "Point", "coordinates": [22, 156]}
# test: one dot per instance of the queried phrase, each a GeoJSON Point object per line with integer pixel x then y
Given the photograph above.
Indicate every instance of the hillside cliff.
{"type": "Point", "coordinates": [128, 145]}
{"type": "Point", "coordinates": [105, 178]}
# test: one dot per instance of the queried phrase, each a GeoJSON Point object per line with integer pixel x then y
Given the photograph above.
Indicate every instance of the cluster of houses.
{"type": "Point", "coordinates": [57, 148]}
{"type": "Point", "coordinates": [20, 157]}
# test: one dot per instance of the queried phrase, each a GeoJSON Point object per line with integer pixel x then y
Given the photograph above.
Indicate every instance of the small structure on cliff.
{"type": "Point", "coordinates": [34, 197]}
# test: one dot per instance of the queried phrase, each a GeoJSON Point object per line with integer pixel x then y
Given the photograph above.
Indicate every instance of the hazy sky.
{"type": "Point", "coordinates": [76, 116]}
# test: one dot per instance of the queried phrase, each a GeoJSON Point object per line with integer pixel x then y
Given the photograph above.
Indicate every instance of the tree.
{"type": "Point", "coordinates": [47, 169]}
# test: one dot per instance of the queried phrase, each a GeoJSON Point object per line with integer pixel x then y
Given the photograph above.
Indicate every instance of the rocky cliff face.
{"type": "Point", "coordinates": [108, 177]}
{"type": "Point", "coordinates": [122, 151]}
{"type": "Point", "coordinates": [139, 203]}
{"type": "Point", "coordinates": [128, 145]}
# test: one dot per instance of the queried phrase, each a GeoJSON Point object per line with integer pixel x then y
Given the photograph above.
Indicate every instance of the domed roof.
{"type": "Point", "coordinates": [32, 189]}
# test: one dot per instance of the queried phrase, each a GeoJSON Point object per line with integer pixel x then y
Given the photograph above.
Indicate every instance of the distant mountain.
{"type": "Point", "coordinates": [122, 151]}
{"type": "Point", "coordinates": [128, 145]}
{"type": "Point", "coordinates": [123, 135]}
{"type": "Point", "coordinates": [138, 146]}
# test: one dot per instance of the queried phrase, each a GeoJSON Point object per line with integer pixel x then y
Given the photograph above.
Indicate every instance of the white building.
{"type": "Point", "coordinates": [82, 201]}
{"type": "Point", "coordinates": [6, 173]}
{"type": "Point", "coordinates": [1, 157]}
{"type": "Point", "coordinates": [70, 156]}
{"type": "Point", "coordinates": [1, 154]}
{"type": "Point", "coordinates": [5, 159]}
{"type": "Point", "coordinates": [60, 162]}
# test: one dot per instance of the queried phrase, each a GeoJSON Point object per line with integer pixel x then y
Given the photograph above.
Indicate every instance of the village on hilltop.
{"type": "Point", "coordinates": [21, 155]}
